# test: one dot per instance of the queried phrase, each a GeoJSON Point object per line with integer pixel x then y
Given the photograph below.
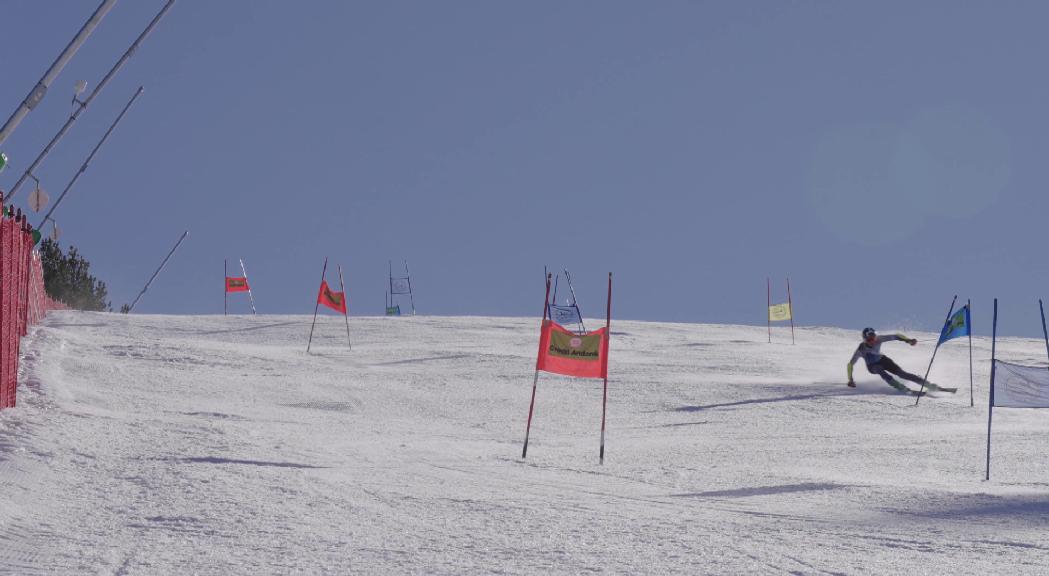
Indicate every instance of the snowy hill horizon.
{"type": "Point", "coordinates": [161, 444]}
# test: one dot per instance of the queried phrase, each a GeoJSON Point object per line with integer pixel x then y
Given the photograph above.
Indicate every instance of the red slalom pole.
{"type": "Point", "coordinates": [608, 337]}
{"type": "Point", "coordinates": [535, 382]}
{"type": "Point", "coordinates": [316, 307]}
{"type": "Point", "coordinates": [346, 315]}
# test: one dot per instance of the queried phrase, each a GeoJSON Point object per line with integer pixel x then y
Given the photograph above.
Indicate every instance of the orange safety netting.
{"type": "Point", "coordinates": [23, 301]}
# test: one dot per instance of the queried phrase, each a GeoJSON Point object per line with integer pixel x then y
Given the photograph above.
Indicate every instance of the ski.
{"type": "Point", "coordinates": [904, 389]}
{"type": "Point", "coordinates": [934, 388]}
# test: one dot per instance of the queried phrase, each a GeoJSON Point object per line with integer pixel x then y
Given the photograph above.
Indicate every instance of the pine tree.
{"type": "Point", "coordinates": [67, 278]}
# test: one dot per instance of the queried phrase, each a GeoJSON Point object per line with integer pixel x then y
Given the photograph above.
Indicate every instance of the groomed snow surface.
{"type": "Point", "coordinates": [212, 445]}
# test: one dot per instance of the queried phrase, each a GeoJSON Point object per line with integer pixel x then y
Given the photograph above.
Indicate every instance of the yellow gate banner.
{"type": "Point", "coordinates": [779, 312]}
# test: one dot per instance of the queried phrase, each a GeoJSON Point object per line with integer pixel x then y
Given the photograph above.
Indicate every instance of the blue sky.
{"type": "Point", "coordinates": [884, 155]}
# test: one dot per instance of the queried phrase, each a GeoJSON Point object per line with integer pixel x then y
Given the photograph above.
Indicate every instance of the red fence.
{"type": "Point", "coordinates": [23, 301]}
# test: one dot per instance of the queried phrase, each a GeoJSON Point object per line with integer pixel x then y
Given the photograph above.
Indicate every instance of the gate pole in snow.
{"type": "Point", "coordinates": [250, 295]}
{"type": "Point", "coordinates": [790, 306]}
{"type": "Point", "coordinates": [535, 381]}
{"type": "Point", "coordinates": [411, 297]}
{"type": "Point", "coordinates": [608, 337]}
{"type": "Point", "coordinates": [346, 303]}
{"type": "Point", "coordinates": [969, 305]}
{"type": "Point", "coordinates": [549, 312]}
{"type": "Point", "coordinates": [225, 288]}
{"type": "Point", "coordinates": [316, 306]}
{"type": "Point", "coordinates": [934, 350]}
{"type": "Point", "coordinates": [990, 400]}
{"type": "Point", "coordinates": [768, 315]}
{"type": "Point", "coordinates": [1044, 332]}
{"type": "Point", "coordinates": [159, 268]}
{"type": "Point", "coordinates": [575, 301]}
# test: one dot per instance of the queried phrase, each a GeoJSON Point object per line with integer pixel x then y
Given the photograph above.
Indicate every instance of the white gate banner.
{"type": "Point", "coordinates": [400, 286]}
{"type": "Point", "coordinates": [1018, 386]}
{"type": "Point", "coordinates": [565, 315]}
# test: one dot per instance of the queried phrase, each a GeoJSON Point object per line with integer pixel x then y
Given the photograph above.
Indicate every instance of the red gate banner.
{"type": "Point", "coordinates": [334, 300]}
{"type": "Point", "coordinates": [564, 352]}
{"type": "Point", "coordinates": [237, 284]}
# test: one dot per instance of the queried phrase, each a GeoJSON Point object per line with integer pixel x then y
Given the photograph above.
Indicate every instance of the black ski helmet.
{"type": "Point", "coordinates": [868, 332]}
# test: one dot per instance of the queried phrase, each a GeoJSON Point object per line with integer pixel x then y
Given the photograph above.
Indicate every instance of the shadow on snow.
{"type": "Point", "coordinates": [797, 397]}
{"type": "Point", "coordinates": [763, 490]}
{"type": "Point", "coordinates": [220, 460]}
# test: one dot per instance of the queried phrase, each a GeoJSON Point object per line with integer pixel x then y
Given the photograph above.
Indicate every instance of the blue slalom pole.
{"type": "Point", "coordinates": [1044, 332]}
{"type": "Point", "coordinates": [575, 301]}
{"type": "Point", "coordinates": [934, 350]}
{"type": "Point", "coordinates": [969, 306]}
{"type": "Point", "coordinates": [990, 400]}
{"type": "Point", "coordinates": [549, 311]}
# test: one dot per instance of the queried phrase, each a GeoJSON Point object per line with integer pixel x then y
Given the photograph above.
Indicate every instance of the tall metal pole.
{"type": "Point", "coordinates": [83, 167]}
{"type": "Point", "coordinates": [768, 313]}
{"type": "Point", "coordinates": [250, 295]}
{"type": "Point", "coordinates": [535, 381]}
{"type": "Point", "coordinates": [969, 306]}
{"type": "Point", "coordinates": [317, 306]}
{"type": "Point", "coordinates": [84, 104]}
{"type": "Point", "coordinates": [604, 394]}
{"type": "Point", "coordinates": [990, 400]}
{"type": "Point", "coordinates": [790, 306]}
{"type": "Point", "coordinates": [934, 350]}
{"type": "Point", "coordinates": [1044, 332]}
{"type": "Point", "coordinates": [346, 303]}
{"type": "Point", "coordinates": [408, 276]}
{"type": "Point", "coordinates": [159, 268]}
{"type": "Point", "coordinates": [225, 288]}
{"type": "Point", "coordinates": [549, 311]}
{"type": "Point", "coordinates": [575, 302]}
{"type": "Point", "coordinates": [36, 95]}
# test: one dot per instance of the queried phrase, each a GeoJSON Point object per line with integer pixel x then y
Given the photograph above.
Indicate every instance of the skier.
{"type": "Point", "coordinates": [877, 363]}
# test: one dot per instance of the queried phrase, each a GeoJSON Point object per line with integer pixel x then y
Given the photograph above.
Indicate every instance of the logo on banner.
{"type": "Point", "coordinates": [779, 312]}
{"type": "Point", "coordinates": [334, 297]}
{"type": "Point", "coordinates": [400, 286]}
{"type": "Point", "coordinates": [236, 284]}
{"type": "Point", "coordinates": [565, 345]}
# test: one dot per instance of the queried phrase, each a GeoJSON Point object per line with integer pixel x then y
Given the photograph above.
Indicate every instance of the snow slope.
{"type": "Point", "coordinates": [212, 445]}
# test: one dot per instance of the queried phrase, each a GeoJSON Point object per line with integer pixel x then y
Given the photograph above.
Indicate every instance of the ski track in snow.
{"type": "Point", "coordinates": [212, 445]}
